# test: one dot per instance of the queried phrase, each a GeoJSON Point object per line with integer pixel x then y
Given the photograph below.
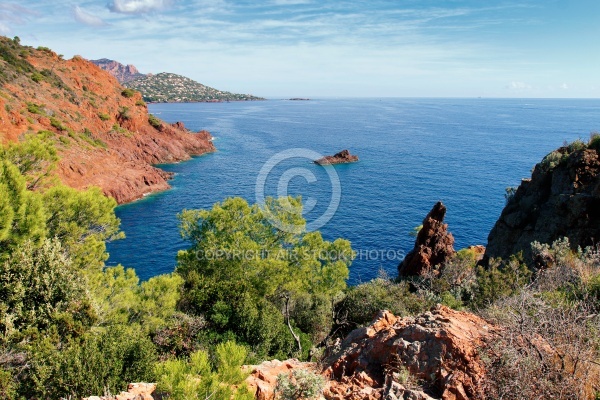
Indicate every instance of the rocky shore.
{"type": "Point", "coordinates": [103, 133]}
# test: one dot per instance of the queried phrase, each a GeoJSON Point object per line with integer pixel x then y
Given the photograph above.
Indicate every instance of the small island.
{"type": "Point", "coordinates": [343, 157]}
{"type": "Point", "coordinates": [299, 99]}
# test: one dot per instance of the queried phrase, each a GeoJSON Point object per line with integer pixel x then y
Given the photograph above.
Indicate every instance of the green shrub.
{"type": "Point", "coordinates": [594, 142]}
{"type": "Point", "coordinates": [93, 364]}
{"type": "Point", "coordinates": [364, 301]}
{"type": "Point", "coordinates": [103, 116]}
{"type": "Point", "coordinates": [124, 113]}
{"type": "Point", "coordinates": [35, 108]}
{"type": "Point", "coordinates": [64, 140]}
{"type": "Point", "coordinates": [155, 122]}
{"type": "Point", "coordinates": [196, 378]}
{"type": "Point", "coordinates": [8, 387]}
{"type": "Point", "coordinates": [37, 77]}
{"type": "Point", "coordinates": [128, 93]}
{"type": "Point", "coordinates": [301, 384]}
{"type": "Point", "coordinates": [140, 103]}
{"type": "Point", "coordinates": [56, 123]}
{"type": "Point", "coordinates": [500, 280]}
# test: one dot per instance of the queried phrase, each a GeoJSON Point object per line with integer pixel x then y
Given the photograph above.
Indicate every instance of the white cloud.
{"type": "Point", "coordinates": [290, 2]}
{"type": "Point", "coordinates": [564, 86]}
{"type": "Point", "coordinates": [519, 86]}
{"type": "Point", "coordinates": [11, 13]}
{"type": "Point", "coordinates": [86, 18]}
{"type": "Point", "coordinates": [138, 6]}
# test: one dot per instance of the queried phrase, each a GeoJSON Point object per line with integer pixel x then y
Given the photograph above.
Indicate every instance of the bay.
{"type": "Point", "coordinates": [413, 152]}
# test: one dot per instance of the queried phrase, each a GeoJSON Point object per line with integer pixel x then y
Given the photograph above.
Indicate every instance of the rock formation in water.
{"type": "Point", "coordinates": [433, 247]}
{"type": "Point", "coordinates": [562, 199]}
{"type": "Point", "coordinates": [103, 132]}
{"type": "Point", "coordinates": [343, 157]}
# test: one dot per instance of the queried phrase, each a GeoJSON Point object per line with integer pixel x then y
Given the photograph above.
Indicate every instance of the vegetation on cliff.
{"type": "Point", "coordinates": [172, 88]}
{"type": "Point", "coordinates": [101, 131]}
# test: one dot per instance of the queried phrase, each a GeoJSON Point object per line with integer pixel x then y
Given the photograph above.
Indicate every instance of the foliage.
{"type": "Point", "coordinates": [362, 302]}
{"type": "Point", "coordinates": [196, 378]}
{"type": "Point", "coordinates": [56, 123]}
{"type": "Point", "coordinates": [40, 289]}
{"type": "Point", "coordinates": [594, 142]}
{"type": "Point", "coordinates": [21, 212]}
{"type": "Point", "coordinates": [124, 113]}
{"type": "Point", "coordinates": [94, 363]}
{"type": "Point", "coordinates": [103, 116]}
{"type": "Point", "coordinates": [179, 336]}
{"type": "Point", "coordinates": [510, 193]}
{"type": "Point", "coordinates": [500, 280]}
{"type": "Point", "coordinates": [301, 384]}
{"type": "Point", "coordinates": [155, 122]}
{"type": "Point", "coordinates": [35, 157]}
{"type": "Point", "coordinates": [128, 93]}
{"type": "Point", "coordinates": [241, 269]}
{"type": "Point", "coordinates": [120, 299]}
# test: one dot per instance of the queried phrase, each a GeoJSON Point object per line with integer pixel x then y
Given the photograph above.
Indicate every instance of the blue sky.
{"type": "Point", "coordinates": [281, 48]}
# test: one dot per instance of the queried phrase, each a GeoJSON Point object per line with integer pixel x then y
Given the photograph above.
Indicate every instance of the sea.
{"type": "Point", "coordinates": [412, 153]}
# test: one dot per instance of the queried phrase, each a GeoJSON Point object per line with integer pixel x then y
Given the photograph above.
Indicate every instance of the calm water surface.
{"type": "Point", "coordinates": [413, 152]}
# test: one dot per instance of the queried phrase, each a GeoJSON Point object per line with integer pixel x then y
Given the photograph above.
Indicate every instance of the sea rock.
{"type": "Point", "coordinates": [562, 199]}
{"type": "Point", "coordinates": [342, 157]}
{"type": "Point", "coordinates": [433, 247]}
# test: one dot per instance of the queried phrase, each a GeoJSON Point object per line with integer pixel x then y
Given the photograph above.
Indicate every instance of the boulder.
{"type": "Point", "coordinates": [433, 247]}
{"type": "Point", "coordinates": [343, 157]}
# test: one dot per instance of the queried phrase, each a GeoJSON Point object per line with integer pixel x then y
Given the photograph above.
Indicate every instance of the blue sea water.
{"type": "Point", "coordinates": [413, 152]}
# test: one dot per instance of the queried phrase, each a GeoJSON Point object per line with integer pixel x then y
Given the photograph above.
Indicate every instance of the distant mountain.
{"type": "Point", "coordinates": [171, 88]}
{"type": "Point", "coordinates": [123, 73]}
{"type": "Point", "coordinates": [166, 87]}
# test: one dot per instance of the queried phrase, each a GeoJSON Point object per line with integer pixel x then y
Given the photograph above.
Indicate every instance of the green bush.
{"type": "Point", "coordinates": [196, 378]}
{"type": "Point", "coordinates": [40, 290]}
{"type": "Point", "coordinates": [103, 116]}
{"type": "Point", "coordinates": [594, 142]}
{"type": "Point", "coordinates": [140, 103]}
{"type": "Point", "coordinates": [364, 301]}
{"type": "Point", "coordinates": [124, 113]}
{"type": "Point", "coordinates": [155, 122]}
{"type": "Point", "coordinates": [56, 123]}
{"type": "Point", "coordinates": [93, 364]}
{"type": "Point", "coordinates": [37, 77]}
{"type": "Point", "coordinates": [300, 385]}
{"type": "Point", "coordinates": [35, 108]}
{"type": "Point", "coordinates": [128, 93]}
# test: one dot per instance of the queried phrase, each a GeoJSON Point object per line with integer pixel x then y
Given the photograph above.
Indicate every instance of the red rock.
{"type": "Point", "coordinates": [123, 165]}
{"type": "Point", "coordinates": [433, 247]}
{"type": "Point", "coordinates": [342, 157]}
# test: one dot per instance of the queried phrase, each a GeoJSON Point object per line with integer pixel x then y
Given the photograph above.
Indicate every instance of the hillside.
{"type": "Point", "coordinates": [123, 73]}
{"type": "Point", "coordinates": [171, 88]}
{"type": "Point", "coordinates": [103, 132]}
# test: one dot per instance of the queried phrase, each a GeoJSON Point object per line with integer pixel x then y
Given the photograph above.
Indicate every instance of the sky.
{"type": "Point", "coordinates": [352, 48]}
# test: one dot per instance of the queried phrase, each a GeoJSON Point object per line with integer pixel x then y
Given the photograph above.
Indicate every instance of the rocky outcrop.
{"type": "Point", "coordinates": [431, 356]}
{"type": "Point", "coordinates": [123, 73]}
{"type": "Point", "coordinates": [102, 132]}
{"type": "Point", "coordinates": [433, 247]}
{"type": "Point", "coordinates": [440, 349]}
{"type": "Point", "coordinates": [562, 199]}
{"type": "Point", "coordinates": [343, 157]}
{"type": "Point", "coordinates": [135, 391]}
{"type": "Point", "coordinates": [263, 377]}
